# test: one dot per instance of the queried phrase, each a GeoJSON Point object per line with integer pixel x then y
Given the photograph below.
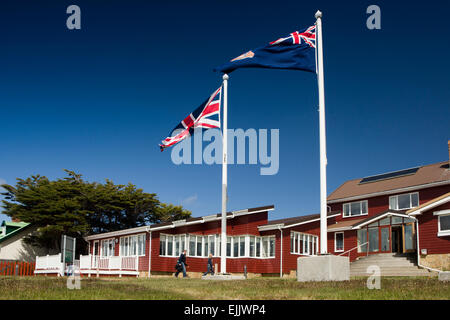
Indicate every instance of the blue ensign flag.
{"type": "Point", "coordinates": [297, 51]}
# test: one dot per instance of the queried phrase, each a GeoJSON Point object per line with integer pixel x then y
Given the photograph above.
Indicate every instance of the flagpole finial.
{"type": "Point", "coordinates": [225, 76]}
{"type": "Point", "coordinates": [318, 14]}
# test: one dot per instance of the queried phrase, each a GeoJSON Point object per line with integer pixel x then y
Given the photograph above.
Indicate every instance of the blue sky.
{"type": "Point", "coordinates": [99, 100]}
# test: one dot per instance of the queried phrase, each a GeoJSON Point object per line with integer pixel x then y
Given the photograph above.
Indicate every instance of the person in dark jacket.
{"type": "Point", "coordinates": [209, 266]}
{"type": "Point", "coordinates": [182, 262]}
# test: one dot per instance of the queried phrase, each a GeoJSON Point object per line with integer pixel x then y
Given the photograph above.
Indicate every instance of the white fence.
{"type": "Point", "coordinates": [88, 264]}
{"type": "Point", "coordinates": [91, 262]}
{"type": "Point", "coordinates": [49, 264]}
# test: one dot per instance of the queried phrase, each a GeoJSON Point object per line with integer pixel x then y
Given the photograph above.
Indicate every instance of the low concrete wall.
{"type": "Point", "coordinates": [444, 276]}
{"type": "Point", "coordinates": [436, 261]}
{"type": "Point", "coordinates": [323, 268]}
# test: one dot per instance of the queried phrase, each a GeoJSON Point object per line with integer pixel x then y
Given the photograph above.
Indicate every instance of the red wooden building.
{"type": "Point", "coordinates": [406, 211]}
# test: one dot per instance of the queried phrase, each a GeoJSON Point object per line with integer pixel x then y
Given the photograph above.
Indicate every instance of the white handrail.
{"type": "Point", "coordinates": [360, 245]}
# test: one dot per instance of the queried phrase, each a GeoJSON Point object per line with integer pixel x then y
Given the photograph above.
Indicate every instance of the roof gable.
{"type": "Point", "coordinates": [425, 176]}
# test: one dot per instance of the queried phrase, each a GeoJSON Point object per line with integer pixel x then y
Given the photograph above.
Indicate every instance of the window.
{"type": "Point", "coordinates": [353, 209]}
{"type": "Point", "coordinates": [133, 245]}
{"type": "Point", "coordinates": [235, 246]}
{"type": "Point", "coordinates": [272, 247]}
{"type": "Point", "coordinates": [212, 244]}
{"type": "Point", "coordinates": [107, 248]}
{"type": "Point", "coordinates": [174, 245]}
{"type": "Point", "coordinates": [170, 245]}
{"type": "Point", "coordinates": [162, 245]}
{"type": "Point", "coordinates": [252, 246]}
{"type": "Point", "coordinates": [242, 246]}
{"type": "Point", "coordinates": [192, 246]}
{"type": "Point", "coordinates": [385, 221]}
{"type": "Point", "coordinates": [177, 245]}
{"type": "Point", "coordinates": [362, 240]}
{"type": "Point", "coordinates": [339, 242]}
{"type": "Point", "coordinates": [397, 220]}
{"type": "Point", "coordinates": [304, 244]}
{"type": "Point", "coordinates": [258, 246]}
{"type": "Point", "coordinates": [202, 246]}
{"type": "Point", "coordinates": [373, 240]}
{"type": "Point", "coordinates": [404, 201]}
{"type": "Point", "coordinates": [199, 246]}
{"type": "Point", "coordinates": [444, 225]}
{"type": "Point", "coordinates": [265, 247]}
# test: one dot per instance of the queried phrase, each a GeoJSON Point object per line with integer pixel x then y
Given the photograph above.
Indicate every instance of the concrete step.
{"type": "Point", "coordinates": [390, 264]}
{"type": "Point", "coordinates": [393, 264]}
{"type": "Point", "coordinates": [392, 271]}
{"type": "Point", "coordinates": [386, 259]}
{"type": "Point", "coordinates": [395, 274]}
{"type": "Point", "coordinates": [389, 270]}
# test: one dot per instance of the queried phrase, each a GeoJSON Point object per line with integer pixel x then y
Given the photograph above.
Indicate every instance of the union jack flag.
{"type": "Point", "coordinates": [308, 36]}
{"type": "Point", "coordinates": [206, 116]}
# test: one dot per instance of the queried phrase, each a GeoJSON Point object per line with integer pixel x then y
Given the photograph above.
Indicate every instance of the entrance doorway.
{"type": "Point", "coordinates": [391, 233]}
{"type": "Point", "coordinates": [397, 239]}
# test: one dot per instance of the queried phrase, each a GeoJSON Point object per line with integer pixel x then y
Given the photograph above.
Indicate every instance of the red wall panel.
{"type": "Point", "coordinates": [428, 230]}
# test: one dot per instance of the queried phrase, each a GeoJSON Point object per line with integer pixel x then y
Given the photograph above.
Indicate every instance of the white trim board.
{"type": "Point", "coordinates": [420, 210]}
{"type": "Point", "coordinates": [283, 226]}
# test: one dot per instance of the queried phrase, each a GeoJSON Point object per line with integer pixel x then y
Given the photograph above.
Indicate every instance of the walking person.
{"type": "Point", "coordinates": [209, 266]}
{"type": "Point", "coordinates": [182, 262]}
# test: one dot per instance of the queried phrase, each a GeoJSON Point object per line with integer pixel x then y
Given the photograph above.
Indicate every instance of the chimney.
{"type": "Point", "coordinates": [448, 154]}
{"type": "Point", "coordinates": [15, 219]}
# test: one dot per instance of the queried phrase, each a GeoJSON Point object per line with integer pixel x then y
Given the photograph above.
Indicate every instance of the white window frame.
{"type": "Point", "coordinates": [217, 245]}
{"type": "Point", "coordinates": [335, 242]}
{"type": "Point", "coordinates": [166, 244]}
{"type": "Point", "coordinates": [404, 194]}
{"type": "Point", "coordinates": [129, 238]}
{"type": "Point", "coordinates": [350, 206]}
{"type": "Point", "coordinates": [442, 213]}
{"type": "Point", "coordinates": [109, 240]}
{"type": "Point", "coordinates": [305, 243]}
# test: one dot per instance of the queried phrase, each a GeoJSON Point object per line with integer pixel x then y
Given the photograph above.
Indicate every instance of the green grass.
{"type": "Point", "coordinates": [20, 288]}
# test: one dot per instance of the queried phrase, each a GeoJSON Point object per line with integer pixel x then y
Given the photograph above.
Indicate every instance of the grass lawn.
{"type": "Point", "coordinates": [20, 288]}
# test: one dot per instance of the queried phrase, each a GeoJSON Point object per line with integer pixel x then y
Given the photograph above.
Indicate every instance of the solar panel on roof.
{"type": "Point", "coordinates": [390, 175]}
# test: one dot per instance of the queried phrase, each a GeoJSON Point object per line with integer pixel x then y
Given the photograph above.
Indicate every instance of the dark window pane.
{"type": "Point", "coordinates": [339, 241]}
{"type": "Point", "coordinates": [236, 247]}
{"type": "Point", "coordinates": [373, 239]}
{"type": "Point", "coordinates": [404, 201]}
{"type": "Point", "coordinates": [355, 208]}
{"type": "Point", "coordinates": [415, 199]}
{"type": "Point", "coordinates": [445, 223]}
{"type": "Point", "coordinates": [242, 247]}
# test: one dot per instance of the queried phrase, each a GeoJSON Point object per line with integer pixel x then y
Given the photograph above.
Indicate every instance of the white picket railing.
{"type": "Point", "coordinates": [50, 263]}
{"type": "Point", "coordinates": [53, 264]}
{"type": "Point", "coordinates": [90, 262]}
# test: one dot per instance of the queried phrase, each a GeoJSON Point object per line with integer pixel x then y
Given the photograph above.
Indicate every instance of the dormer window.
{"type": "Point", "coordinates": [404, 201]}
{"type": "Point", "coordinates": [353, 209]}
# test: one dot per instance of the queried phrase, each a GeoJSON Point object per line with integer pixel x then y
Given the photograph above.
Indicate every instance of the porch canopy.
{"type": "Point", "coordinates": [388, 231]}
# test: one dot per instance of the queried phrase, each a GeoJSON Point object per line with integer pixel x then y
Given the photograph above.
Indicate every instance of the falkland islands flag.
{"type": "Point", "coordinates": [296, 51]}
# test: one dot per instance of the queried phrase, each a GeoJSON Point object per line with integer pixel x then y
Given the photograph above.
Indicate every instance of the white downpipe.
{"type": "Point", "coordinates": [281, 252]}
{"type": "Point", "coordinates": [149, 253]}
{"type": "Point", "coordinates": [322, 133]}
{"type": "Point", "coordinates": [223, 258]}
{"type": "Point", "coordinates": [418, 251]}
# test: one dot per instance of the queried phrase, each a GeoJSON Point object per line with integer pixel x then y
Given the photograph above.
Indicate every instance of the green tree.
{"type": "Point", "coordinates": [75, 207]}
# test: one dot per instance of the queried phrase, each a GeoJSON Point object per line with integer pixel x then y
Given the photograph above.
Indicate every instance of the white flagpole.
{"type": "Point", "coordinates": [323, 149]}
{"type": "Point", "coordinates": [223, 258]}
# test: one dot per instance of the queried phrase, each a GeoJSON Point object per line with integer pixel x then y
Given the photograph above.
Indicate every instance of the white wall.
{"type": "Point", "coordinates": [14, 248]}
